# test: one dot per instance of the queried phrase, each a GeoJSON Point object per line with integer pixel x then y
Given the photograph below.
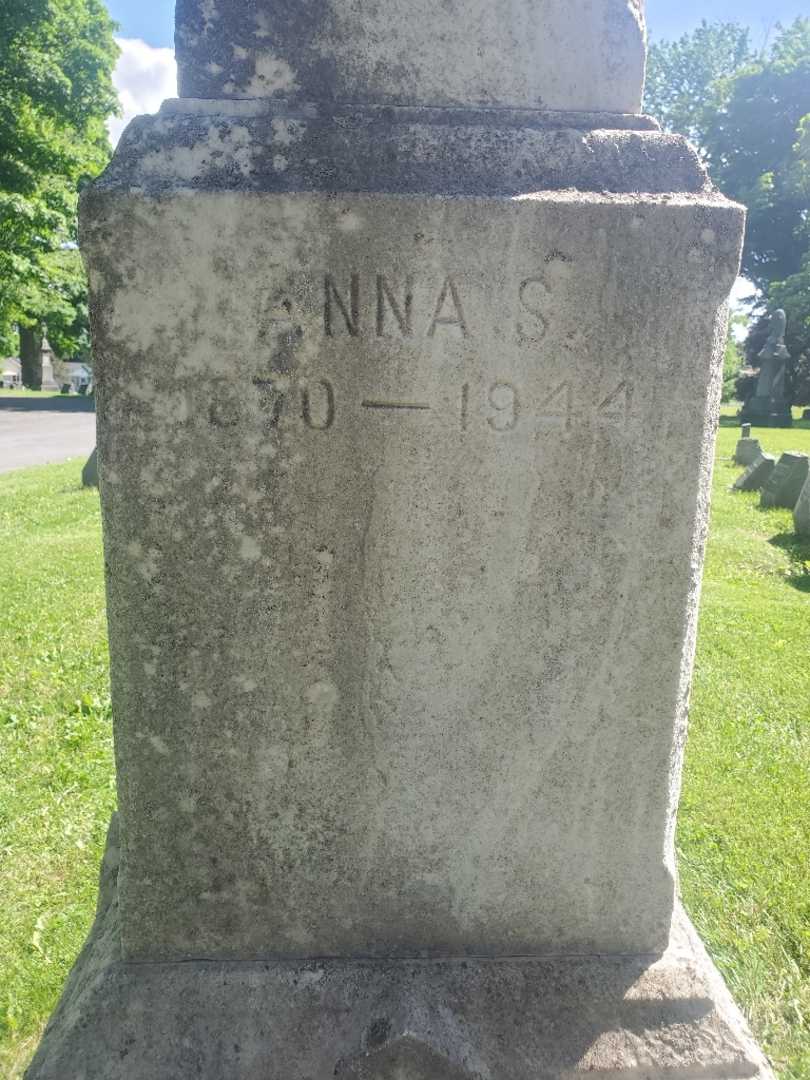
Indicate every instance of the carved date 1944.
{"type": "Point", "coordinates": [500, 405]}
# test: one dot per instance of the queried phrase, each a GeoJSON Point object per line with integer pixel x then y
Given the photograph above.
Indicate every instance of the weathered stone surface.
{"type": "Point", "coordinates": [402, 570]}
{"type": "Point", "coordinates": [535, 54]}
{"type": "Point", "coordinates": [514, 1019]}
{"type": "Point", "coordinates": [747, 451]}
{"type": "Point", "coordinates": [785, 483]}
{"type": "Point", "coordinates": [253, 146]}
{"type": "Point", "coordinates": [90, 470]}
{"type": "Point", "coordinates": [801, 512]}
{"type": "Point", "coordinates": [357, 452]}
{"type": "Point", "coordinates": [756, 475]}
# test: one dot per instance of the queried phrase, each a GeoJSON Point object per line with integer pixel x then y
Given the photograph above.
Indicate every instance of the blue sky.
{"type": "Point", "coordinates": [153, 20]}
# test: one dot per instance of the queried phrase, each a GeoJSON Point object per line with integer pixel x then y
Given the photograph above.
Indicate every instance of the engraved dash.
{"type": "Point", "coordinates": [396, 405]}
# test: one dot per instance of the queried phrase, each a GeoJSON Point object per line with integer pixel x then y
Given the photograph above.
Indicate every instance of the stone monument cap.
{"type": "Point", "coordinates": [568, 55]}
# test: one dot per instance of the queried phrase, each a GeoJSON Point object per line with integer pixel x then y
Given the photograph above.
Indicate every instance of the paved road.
{"type": "Point", "coordinates": [41, 430]}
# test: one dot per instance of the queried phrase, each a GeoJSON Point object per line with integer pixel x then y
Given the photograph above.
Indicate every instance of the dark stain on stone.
{"type": "Point", "coordinates": [378, 1033]}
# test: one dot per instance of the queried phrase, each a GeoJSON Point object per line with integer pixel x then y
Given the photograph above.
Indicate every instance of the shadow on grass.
{"type": "Point", "coordinates": [735, 422]}
{"type": "Point", "coordinates": [798, 551]}
{"type": "Point", "coordinates": [56, 403]}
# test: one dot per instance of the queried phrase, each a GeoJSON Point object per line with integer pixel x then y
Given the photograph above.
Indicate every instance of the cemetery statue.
{"type": "Point", "coordinates": [773, 359]}
{"type": "Point", "coordinates": [402, 571]}
{"type": "Point", "coordinates": [770, 407]}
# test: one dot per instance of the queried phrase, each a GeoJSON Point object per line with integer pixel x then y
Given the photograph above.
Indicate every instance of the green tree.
{"type": "Point", "coordinates": [733, 358]}
{"type": "Point", "coordinates": [750, 116]}
{"type": "Point", "coordinates": [685, 78]}
{"type": "Point", "coordinates": [56, 91]}
{"type": "Point", "coordinates": [757, 144]}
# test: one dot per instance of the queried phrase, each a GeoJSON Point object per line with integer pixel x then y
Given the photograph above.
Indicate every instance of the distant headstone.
{"type": "Point", "coordinates": [49, 382]}
{"type": "Point", "coordinates": [770, 407]}
{"type": "Point", "coordinates": [756, 475]}
{"type": "Point", "coordinates": [402, 583]}
{"type": "Point", "coordinates": [747, 451]}
{"type": "Point", "coordinates": [90, 470]}
{"type": "Point", "coordinates": [784, 485]}
{"type": "Point", "coordinates": [746, 431]}
{"type": "Point", "coordinates": [801, 511]}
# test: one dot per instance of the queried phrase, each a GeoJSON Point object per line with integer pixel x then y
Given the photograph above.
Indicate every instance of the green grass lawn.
{"type": "Point", "coordinates": [744, 833]}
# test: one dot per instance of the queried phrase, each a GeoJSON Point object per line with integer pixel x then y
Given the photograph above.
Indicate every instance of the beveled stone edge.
{"type": "Point", "coordinates": [479, 115]}
{"type": "Point", "coordinates": [363, 152]}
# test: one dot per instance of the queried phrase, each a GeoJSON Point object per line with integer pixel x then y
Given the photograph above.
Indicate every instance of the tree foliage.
{"type": "Point", "coordinates": [56, 91]}
{"type": "Point", "coordinates": [757, 145]}
{"type": "Point", "coordinates": [750, 117]}
{"type": "Point", "coordinates": [684, 87]}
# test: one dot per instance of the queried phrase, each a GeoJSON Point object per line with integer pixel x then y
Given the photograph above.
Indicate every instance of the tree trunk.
{"type": "Point", "coordinates": [31, 356]}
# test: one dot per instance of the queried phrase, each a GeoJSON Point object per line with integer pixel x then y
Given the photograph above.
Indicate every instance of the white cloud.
{"type": "Point", "coordinates": [144, 76]}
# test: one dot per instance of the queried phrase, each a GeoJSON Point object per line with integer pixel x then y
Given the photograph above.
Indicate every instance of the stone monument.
{"type": "Point", "coordinates": [757, 474]}
{"type": "Point", "coordinates": [785, 483]}
{"type": "Point", "coordinates": [801, 511]}
{"type": "Point", "coordinates": [402, 573]}
{"type": "Point", "coordinates": [49, 382]}
{"type": "Point", "coordinates": [90, 470]}
{"type": "Point", "coordinates": [770, 406]}
{"type": "Point", "coordinates": [747, 449]}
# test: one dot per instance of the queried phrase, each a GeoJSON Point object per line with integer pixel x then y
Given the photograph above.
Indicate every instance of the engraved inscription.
{"type": "Point", "coordinates": [558, 407]}
{"type": "Point", "coordinates": [271, 399]}
{"type": "Point", "coordinates": [448, 310]}
{"type": "Point", "coordinates": [317, 402]}
{"type": "Point", "coordinates": [418, 406]}
{"type": "Point", "coordinates": [387, 301]}
{"type": "Point", "coordinates": [349, 308]}
{"type": "Point", "coordinates": [534, 294]}
{"type": "Point", "coordinates": [356, 305]}
{"type": "Point", "coordinates": [503, 399]}
{"type": "Point", "coordinates": [322, 417]}
{"type": "Point", "coordinates": [500, 404]}
{"type": "Point", "coordinates": [618, 404]}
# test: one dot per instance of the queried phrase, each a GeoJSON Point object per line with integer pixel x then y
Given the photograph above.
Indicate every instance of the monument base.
{"type": "Point", "coordinates": [526, 1018]}
{"type": "Point", "coordinates": [767, 412]}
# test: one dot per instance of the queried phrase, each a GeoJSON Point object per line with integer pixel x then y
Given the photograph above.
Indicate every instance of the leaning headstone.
{"type": "Point", "coordinates": [90, 470]}
{"type": "Point", "coordinates": [784, 485]}
{"type": "Point", "coordinates": [747, 451]}
{"type": "Point", "coordinates": [801, 511]}
{"type": "Point", "coordinates": [401, 573]}
{"type": "Point", "coordinates": [756, 475]}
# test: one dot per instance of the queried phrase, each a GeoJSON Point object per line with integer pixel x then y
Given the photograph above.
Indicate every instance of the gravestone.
{"type": "Point", "coordinates": [746, 431]}
{"type": "Point", "coordinates": [747, 450]}
{"type": "Point", "coordinates": [90, 470]}
{"type": "Point", "coordinates": [49, 382]}
{"type": "Point", "coordinates": [402, 573]}
{"type": "Point", "coordinates": [770, 406]}
{"type": "Point", "coordinates": [757, 474]}
{"type": "Point", "coordinates": [784, 485]}
{"type": "Point", "coordinates": [801, 511]}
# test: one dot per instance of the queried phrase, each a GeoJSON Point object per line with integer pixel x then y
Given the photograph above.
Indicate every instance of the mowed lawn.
{"type": "Point", "coordinates": [744, 834]}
